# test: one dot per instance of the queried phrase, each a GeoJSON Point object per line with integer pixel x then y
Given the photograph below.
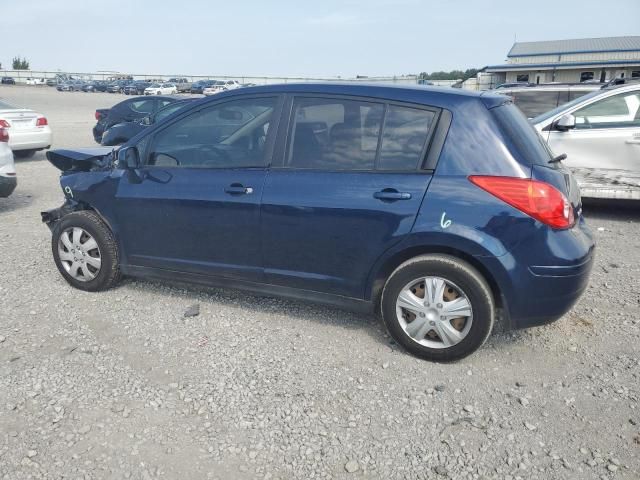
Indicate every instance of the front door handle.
{"type": "Point", "coordinates": [238, 189]}
{"type": "Point", "coordinates": [391, 194]}
{"type": "Point", "coordinates": [634, 141]}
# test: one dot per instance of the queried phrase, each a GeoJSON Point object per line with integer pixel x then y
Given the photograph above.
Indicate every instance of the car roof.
{"type": "Point", "coordinates": [444, 97]}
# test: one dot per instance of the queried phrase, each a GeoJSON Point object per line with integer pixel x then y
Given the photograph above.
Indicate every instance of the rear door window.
{"type": "Point", "coordinates": [345, 134]}
{"type": "Point", "coordinates": [334, 134]}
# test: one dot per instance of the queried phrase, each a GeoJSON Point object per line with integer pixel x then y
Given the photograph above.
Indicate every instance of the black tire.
{"type": "Point", "coordinates": [451, 269]}
{"type": "Point", "coordinates": [109, 272]}
{"type": "Point", "coordinates": [24, 153]}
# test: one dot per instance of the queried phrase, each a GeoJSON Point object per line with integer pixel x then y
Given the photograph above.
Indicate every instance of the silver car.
{"type": "Point", "coordinates": [600, 134]}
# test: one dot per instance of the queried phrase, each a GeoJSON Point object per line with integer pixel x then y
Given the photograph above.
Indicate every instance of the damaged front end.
{"type": "Point", "coordinates": [81, 160]}
{"type": "Point", "coordinates": [82, 171]}
{"type": "Point", "coordinates": [50, 217]}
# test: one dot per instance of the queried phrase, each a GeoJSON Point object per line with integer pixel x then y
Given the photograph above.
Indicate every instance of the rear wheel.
{"type": "Point", "coordinates": [85, 251]}
{"type": "Point", "coordinates": [438, 307]}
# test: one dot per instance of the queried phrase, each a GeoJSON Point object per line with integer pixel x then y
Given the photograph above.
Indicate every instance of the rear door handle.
{"type": "Point", "coordinates": [238, 189]}
{"type": "Point", "coordinates": [391, 194]}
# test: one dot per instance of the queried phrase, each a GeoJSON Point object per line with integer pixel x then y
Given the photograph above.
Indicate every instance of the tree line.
{"type": "Point", "coordinates": [452, 75]}
{"type": "Point", "coordinates": [18, 63]}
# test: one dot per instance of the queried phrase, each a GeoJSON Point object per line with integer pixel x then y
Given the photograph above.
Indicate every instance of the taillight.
{"type": "Point", "coordinates": [4, 124]}
{"type": "Point", "coordinates": [537, 199]}
{"type": "Point", "coordinates": [41, 122]}
{"type": "Point", "coordinates": [98, 115]}
{"type": "Point", "coordinates": [4, 135]}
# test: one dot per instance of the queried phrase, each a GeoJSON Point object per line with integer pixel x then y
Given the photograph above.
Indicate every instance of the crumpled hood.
{"type": "Point", "coordinates": [79, 160]}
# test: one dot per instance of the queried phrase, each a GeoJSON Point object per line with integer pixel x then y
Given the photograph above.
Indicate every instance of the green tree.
{"type": "Point", "coordinates": [20, 63]}
{"type": "Point", "coordinates": [452, 75]}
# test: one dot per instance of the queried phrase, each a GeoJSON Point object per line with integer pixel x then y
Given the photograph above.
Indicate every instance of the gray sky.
{"type": "Point", "coordinates": [319, 38]}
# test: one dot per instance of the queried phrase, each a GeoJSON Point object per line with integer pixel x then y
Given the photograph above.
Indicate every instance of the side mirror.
{"type": "Point", "coordinates": [128, 158]}
{"type": "Point", "coordinates": [565, 122]}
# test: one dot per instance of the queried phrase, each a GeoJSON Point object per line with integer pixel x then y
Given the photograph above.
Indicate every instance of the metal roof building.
{"type": "Point", "coordinates": [576, 60]}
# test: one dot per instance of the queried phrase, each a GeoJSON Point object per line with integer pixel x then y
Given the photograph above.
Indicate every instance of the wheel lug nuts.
{"type": "Point", "coordinates": [426, 304]}
{"type": "Point", "coordinates": [432, 323]}
{"type": "Point", "coordinates": [442, 317]}
{"type": "Point", "coordinates": [439, 305]}
{"type": "Point", "coordinates": [422, 314]}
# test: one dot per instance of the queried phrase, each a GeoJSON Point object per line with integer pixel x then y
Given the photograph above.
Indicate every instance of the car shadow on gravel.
{"type": "Point", "coordinates": [40, 156]}
{"type": "Point", "coordinates": [15, 201]}
{"type": "Point", "coordinates": [263, 304]}
{"type": "Point", "coordinates": [624, 210]}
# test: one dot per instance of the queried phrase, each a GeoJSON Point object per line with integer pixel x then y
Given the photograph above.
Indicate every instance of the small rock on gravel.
{"type": "Point", "coordinates": [192, 311]}
{"type": "Point", "coordinates": [352, 466]}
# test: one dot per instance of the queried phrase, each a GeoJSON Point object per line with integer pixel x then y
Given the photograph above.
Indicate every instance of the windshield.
{"type": "Point", "coordinates": [154, 85]}
{"type": "Point", "coordinates": [563, 107]}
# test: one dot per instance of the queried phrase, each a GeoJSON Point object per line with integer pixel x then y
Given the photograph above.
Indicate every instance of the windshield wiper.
{"type": "Point", "coordinates": [559, 158]}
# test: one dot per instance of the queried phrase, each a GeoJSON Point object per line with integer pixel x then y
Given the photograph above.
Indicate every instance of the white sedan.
{"type": "Point", "coordinates": [216, 87]}
{"type": "Point", "coordinates": [28, 131]}
{"type": "Point", "coordinates": [161, 89]}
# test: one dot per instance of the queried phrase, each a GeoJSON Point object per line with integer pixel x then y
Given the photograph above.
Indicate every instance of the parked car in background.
{"type": "Point", "coordinates": [534, 100]}
{"type": "Point", "coordinates": [28, 131]}
{"type": "Point", "coordinates": [161, 89]}
{"type": "Point", "coordinates": [95, 86]}
{"type": "Point", "coordinates": [600, 135]}
{"type": "Point", "coordinates": [71, 86]}
{"type": "Point", "coordinates": [117, 86]}
{"type": "Point", "coordinates": [127, 111]}
{"type": "Point", "coordinates": [231, 84]}
{"type": "Point", "coordinates": [8, 81]}
{"type": "Point", "coordinates": [136, 87]}
{"type": "Point", "coordinates": [200, 85]}
{"type": "Point", "coordinates": [51, 82]}
{"type": "Point", "coordinates": [182, 84]}
{"type": "Point", "coordinates": [434, 207]}
{"type": "Point", "coordinates": [35, 81]}
{"type": "Point", "coordinates": [216, 86]}
{"type": "Point", "coordinates": [122, 132]}
{"type": "Point", "coordinates": [8, 178]}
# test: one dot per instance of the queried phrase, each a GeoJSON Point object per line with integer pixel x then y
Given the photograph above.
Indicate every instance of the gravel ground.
{"type": "Point", "coordinates": [121, 384]}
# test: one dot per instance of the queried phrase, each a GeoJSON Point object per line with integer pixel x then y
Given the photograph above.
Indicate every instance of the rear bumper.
{"type": "Point", "coordinates": [541, 291]}
{"type": "Point", "coordinates": [30, 140]}
{"type": "Point", "coordinates": [7, 185]}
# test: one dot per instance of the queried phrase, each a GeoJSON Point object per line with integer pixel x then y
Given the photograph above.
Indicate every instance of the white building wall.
{"type": "Point", "coordinates": [570, 75]}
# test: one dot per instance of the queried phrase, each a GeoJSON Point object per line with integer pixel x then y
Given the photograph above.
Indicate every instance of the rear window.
{"type": "Point", "coordinates": [534, 102]}
{"type": "Point", "coordinates": [523, 140]}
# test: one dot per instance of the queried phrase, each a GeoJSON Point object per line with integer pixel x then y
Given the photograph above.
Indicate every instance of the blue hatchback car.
{"type": "Point", "coordinates": [442, 210]}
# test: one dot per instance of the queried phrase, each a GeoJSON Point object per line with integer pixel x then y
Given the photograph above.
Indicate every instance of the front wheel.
{"type": "Point", "coordinates": [85, 251]}
{"type": "Point", "coordinates": [438, 307]}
